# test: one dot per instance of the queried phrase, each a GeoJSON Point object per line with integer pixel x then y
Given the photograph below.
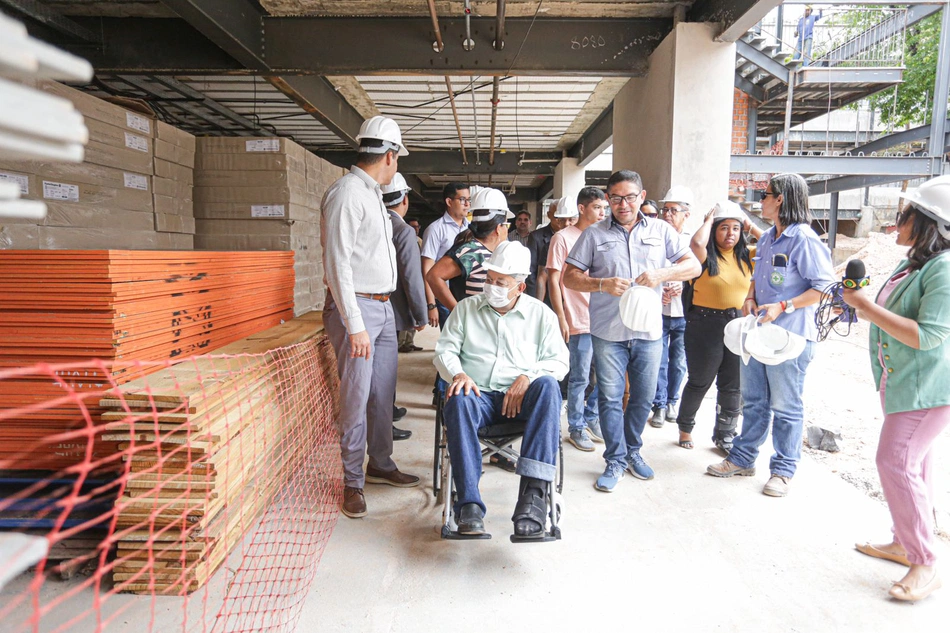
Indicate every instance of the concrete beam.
{"type": "Point", "coordinates": [831, 165]}
{"type": "Point", "coordinates": [424, 162]}
{"type": "Point", "coordinates": [735, 16]}
{"type": "Point", "coordinates": [546, 46]}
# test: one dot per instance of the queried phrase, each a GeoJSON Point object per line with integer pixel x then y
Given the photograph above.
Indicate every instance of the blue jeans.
{"type": "Point", "coordinates": [639, 361]}
{"type": "Point", "coordinates": [580, 413]}
{"type": "Point", "coordinates": [672, 362]}
{"type": "Point", "coordinates": [773, 398]}
{"type": "Point", "coordinates": [464, 415]}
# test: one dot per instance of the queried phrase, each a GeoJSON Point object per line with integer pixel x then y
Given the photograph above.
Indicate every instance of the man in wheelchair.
{"type": "Point", "coordinates": [502, 354]}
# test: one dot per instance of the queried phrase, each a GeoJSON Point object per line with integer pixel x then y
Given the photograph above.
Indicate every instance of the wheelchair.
{"type": "Point", "coordinates": [495, 439]}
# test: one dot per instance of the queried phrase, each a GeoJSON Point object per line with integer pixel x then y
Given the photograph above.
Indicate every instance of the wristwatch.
{"type": "Point", "coordinates": [430, 306]}
{"type": "Point", "coordinates": [789, 307]}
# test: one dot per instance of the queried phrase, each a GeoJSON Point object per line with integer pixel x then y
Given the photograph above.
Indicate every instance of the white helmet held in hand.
{"type": "Point", "coordinates": [641, 310]}
{"type": "Point", "coordinates": [383, 129]}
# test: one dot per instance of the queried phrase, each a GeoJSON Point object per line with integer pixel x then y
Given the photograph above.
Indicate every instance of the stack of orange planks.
{"type": "Point", "coordinates": [122, 307]}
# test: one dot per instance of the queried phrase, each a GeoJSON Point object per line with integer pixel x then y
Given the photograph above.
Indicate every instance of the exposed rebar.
{"type": "Point", "coordinates": [435, 27]}
{"type": "Point", "coordinates": [455, 115]}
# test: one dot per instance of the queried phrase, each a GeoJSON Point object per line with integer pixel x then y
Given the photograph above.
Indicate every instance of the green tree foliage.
{"type": "Point", "coordinates": [911, 101]}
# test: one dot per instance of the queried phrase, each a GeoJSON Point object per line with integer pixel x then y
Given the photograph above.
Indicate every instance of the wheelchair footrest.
{"type": "Point", "coordinates": [543, 538]}
{"type": "Point", "coordinates": [455, 536]}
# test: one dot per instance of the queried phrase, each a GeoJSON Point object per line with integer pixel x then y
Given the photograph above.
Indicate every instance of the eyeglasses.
{"type": "Point", "coordinates": [464, 200]}
{"type": "Point", "coordinates": [672, 210]}
{"type": "Point", "coordinates": [765, 194]}
{"type": "Point", "coordinates": [617, 200]}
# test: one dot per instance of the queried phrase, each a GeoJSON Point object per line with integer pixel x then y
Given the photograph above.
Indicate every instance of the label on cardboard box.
{"type": "Point", "coordinates": [137, 122]}
{"type": "Point", "coordinates": [262, 145]}
{"type": "Point", "coordinates": [135, 181]}
{"type": "Point", "coordinates": [134, 141]}
{"type": "Point", "coordinates": [20, 179]}
{"type": "Point", "coordinates": [267, 210]}
{"type": "Point", "coordinates": [60, 191]}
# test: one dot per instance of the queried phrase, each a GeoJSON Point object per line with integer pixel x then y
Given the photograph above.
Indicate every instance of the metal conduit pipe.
{"type": "Point", "coordinates": [437, 46]}
{"type": "Point", "coordinates": [469, 43]}
{"type": "Point", "coordinates": [494, 115]}
{"type": "Point", "coordinates": [455, 115]}
{"type": "Point", "coordinates": [500, 25]}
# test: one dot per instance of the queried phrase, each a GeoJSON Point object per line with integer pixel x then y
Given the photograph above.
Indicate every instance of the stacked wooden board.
{"type": "Point", "coordinates": [209, 442]}
{"type": "Point", "coordinates": [173, 182]}
{"type": "Point", "coordinates": [264, 193]}
{"type": "Point", "coordinates": [123, 307]}
{"type": "Point", "coordinates": [107, 200]}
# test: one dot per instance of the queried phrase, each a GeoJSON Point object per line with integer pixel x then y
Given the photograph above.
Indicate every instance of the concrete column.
{"type": "Point", "coordinates": [534, 208]}
{"type": "Point", "coordinates": [674, 126]}
{"type": "Point", "coordinates": [568, 178]}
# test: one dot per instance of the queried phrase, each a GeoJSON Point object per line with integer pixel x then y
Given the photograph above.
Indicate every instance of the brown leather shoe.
{"type": "Point", "coordinates": [392, 478]}
{"type": "Point", "coordinates": [354, 504]}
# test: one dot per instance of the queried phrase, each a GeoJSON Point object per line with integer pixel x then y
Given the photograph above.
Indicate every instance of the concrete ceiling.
{"type": "Point", "coordinates": [483, 8]}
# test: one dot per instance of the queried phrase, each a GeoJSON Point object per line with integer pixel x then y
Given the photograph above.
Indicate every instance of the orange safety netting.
{"type": "Point", "coordinates": [210, 485]}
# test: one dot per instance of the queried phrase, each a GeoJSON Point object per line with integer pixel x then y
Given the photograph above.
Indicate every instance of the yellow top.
{"type": "Point", "coordinates": [726, 290]}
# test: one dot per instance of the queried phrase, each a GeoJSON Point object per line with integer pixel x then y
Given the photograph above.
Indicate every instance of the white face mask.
{"type": "Point", "coordinates": [497, 296]}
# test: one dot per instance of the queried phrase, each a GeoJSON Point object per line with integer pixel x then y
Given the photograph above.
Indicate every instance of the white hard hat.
{"type": "Point", "coordinates": [510, 258]}
{"type": "Point", "coordinates": [728, 210]}
{"type": "Point", "coordinates": [771, 344]}
{"type": "Point", "coordinates": [565, 209]}
{"type": "Point", "coordinates": [733, 336]}
{"type": "Point", "coordinates": [396, 186]}
{"type": "Point", "coordinates": [641, 310]}
{"type": "Point", "coordinates": [679, 193]}
{"type": "Point", "coordinates": [382, 129]}
{"type": "Point", "coordinates": [487, 198]}
{"type": "Point", "coordinates": [933, 199]}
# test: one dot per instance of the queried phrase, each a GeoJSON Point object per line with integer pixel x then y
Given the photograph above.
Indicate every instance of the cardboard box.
{"type": "Point", "coordinates": [119, 137]}
{"type": "Point", "coordinates": [242, 211]}
{"type": "Point", "coordinates": [208, 242]}
{"type": "Point", "coordinates": [19, 236]}
{"type": "Point", "coordinates": [248, 162]}
{"type": "Point", "coordinates": [120, 158]}
{"type": "Point", "coordinates": [174, 171]}
{"type": "Point", "coordinates": [61, 191]}
{"type": "Point", "coordinates": [243, 227]}
{"type": "Point", "coordinates": [171, 134]}
{"type": "Point", "coordinates": [173, 206]}
{"type": "Point", "coordinates": [84, 216]}
{"type": "Point", "coordinates": [169, 223]}
{"type": "Point", "coordinates": [174, 153]}
{"type": "Point", "coordinates": [171, 188]}
{"type": "Point", "coordinates": [249, 145]}
{"type": "Point", "coordinates": [94, 108]}
{"type": "Point", "coordinates": [54, 237]}
{"type": "Point", "coordinates": [223, 178]}
{"type": "Point", "coordinates": [254, 195]}
{"type": "Point", "coordinates": [85, 173]}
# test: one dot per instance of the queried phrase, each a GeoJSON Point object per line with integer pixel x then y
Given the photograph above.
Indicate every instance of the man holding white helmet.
{"type": "Point", "coordinates": [359, 261]}
{"type": "Point", "coordinates": [502, 354]}
{"type": "Point", "coordinates": [409, 298]}
{"type": "Point", "coordinates": [623, 250]}
{"type": "Point", "coordinates": [674, 209]}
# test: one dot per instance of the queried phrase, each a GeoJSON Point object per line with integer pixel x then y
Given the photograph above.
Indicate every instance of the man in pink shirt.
{"type": "Point", "coordinates": [572, 309]}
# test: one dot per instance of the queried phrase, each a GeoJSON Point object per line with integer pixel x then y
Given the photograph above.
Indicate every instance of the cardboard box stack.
{"type": "Point", "coordinates": [264, 194]}
{"type": "Point", "coordinates": [103, 202]}
{"type": "Point", "coordinates": [174, 180]}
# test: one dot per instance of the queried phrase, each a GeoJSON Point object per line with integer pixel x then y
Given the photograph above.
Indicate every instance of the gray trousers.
{"type": "Point", "coordinates": [367, 389]}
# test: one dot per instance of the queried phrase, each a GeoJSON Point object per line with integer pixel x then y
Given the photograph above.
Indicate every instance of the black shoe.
{"type": "Point", "coordinates": [531, 510]}
{"type": "Point", "coordinates": [471, 520]}
{"type": "Point", "coordinates": [400, 434]}
{"type": "Point", "coordinates": [399, 413]}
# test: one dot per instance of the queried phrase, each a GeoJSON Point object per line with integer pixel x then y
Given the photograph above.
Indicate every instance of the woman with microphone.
{"type": "Point", "coordinates": [910, 358]}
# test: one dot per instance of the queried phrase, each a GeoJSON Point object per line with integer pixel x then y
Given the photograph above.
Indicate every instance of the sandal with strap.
{"type": "Point", "coordinates": [687, 444]}
{"type": "Point", "coordinates": [530, 513]}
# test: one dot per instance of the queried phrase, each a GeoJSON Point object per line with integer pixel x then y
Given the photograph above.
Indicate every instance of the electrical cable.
{"type": "Point", "coordinates": [827, 317]}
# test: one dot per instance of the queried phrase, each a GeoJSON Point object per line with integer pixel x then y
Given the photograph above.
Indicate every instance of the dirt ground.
{"type": "Point", "coordinates": [840, 395]}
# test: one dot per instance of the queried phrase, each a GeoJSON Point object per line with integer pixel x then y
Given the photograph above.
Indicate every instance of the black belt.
{"type": "Point", "coordinates": [731, 313]}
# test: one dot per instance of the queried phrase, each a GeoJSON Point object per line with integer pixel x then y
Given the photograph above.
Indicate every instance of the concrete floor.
{"type": "Point", "coordinates": [684, 552]}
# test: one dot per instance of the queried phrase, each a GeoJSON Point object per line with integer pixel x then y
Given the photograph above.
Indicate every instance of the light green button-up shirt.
{"type": "Point", "coordinates": [494, 349]}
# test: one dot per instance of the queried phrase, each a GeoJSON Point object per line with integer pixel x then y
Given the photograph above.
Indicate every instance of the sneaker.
{"type": "Point", "coordinates": [608, 481]}
{"type": "Point", "coordinates": [672, 410]}
{"type": "Point", "coordinates": [581, 440]}
{"type": "Point", "coordinates": [638, 468]}
{"type": "Point", "coordinates": [593, 430]}
{"type": "Point", "coordinates": [659, 417]}
{"type": "Point", "coordinates": [777, 486]}
{"type": "Point", "coordinates": [725, 468]}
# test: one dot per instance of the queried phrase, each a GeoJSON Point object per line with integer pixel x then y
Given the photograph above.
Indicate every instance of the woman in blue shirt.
{"type": "Point", "coordinates": [792, 268]}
